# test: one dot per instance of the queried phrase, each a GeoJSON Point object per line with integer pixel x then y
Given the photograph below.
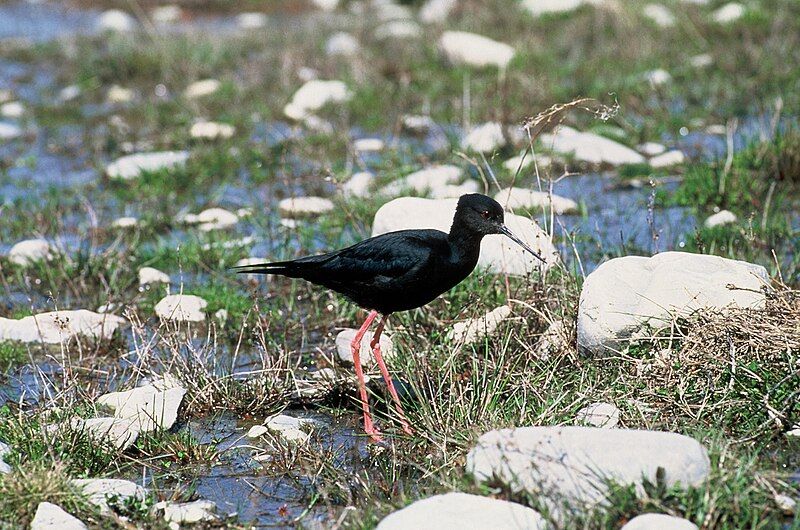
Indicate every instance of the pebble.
{"type": "Point", "coordinates": [452, 191]}
{"type": "Point", "coordinates": [167, 14]}
{"type": "Point", "coordinates": [99, 491]}
{"type": "Point", "coordinates": [202, 88]}
{"type": "Point", "coordinates": [4, 450]}
{"type": "Point", "coordinates": [211, 130]}
{"type": "Point", "coordinates": [30, 251]}
{"type": "Point", "coordinates": [345, 337]}
{"type": "Point", "coordinates": [538, 8]}
{"type": "Point", "coordinates": [658, 77]}
{"type": "Point", "coordinates": [251, 20]}
{"type": "Point", "coordinates": [314, 95]}
{"type": "Point", "coordinates": [417, 124]}
{"type": "Point", "coordinates": [299, 207]}
{"type": "Point", "coordinates": [424, 180]}
{"type": "Point", "coordinates": [660, 15]}
{"type": "Point", "coordinates": [358, 185]}
{"type": "Point", "coordinates": [187, 512]}
{"type": "Point", "coordinates": [148, 275]}
{"type": "Point", "coordinates": [658, 521]}
{"type": "Point", "coordinates": [13, 109]}
{"type": "Point", "coordinates": [470, 49]}
{"type": "Point", "coordinates": [115, 20]}
{"type": "Point", "coordinates": [125, 222]}
{"type": "Point", "coordinates": [51, 517]}
{"type": "Point", "coordinates": [485, 138]}
{"type": "Point", "coordinates": [512, 198]}
{"type": "Point", "coordinates": [436, 11]}
{"type": "Point", "coordinates": [398, 30]}
{"type": "Point", "coordinates": [55, 327]}
{"type": "Point", "coordinates": [602, 415]}
{"type": "Point", "coordinates": [368, 145]}
{"type": "Point", "coordinates": [151, 406]}
{"type": "Point", "coordinates": [651, 148]}
{"type": "Point", "coordinates": [729, 13]}
{"type": "Point", "coordinates": [668, 159]}
{"type": "Point", "coordinates": [119, 432]}
{"type": "Point", "coordinates": [181, 308]}
{"type": "Point", "coordinates": [213, 219]}
{"type": "Point", "coordinates": [702, 60]}
{"type": "Point", "coordinates": [131, 166]}
{"type": "Point", "coordinates": [723, 217]}
{"type": "Point", "coordinates": [590, 147]}
{"type": "Point", "coordinates": [479, 328]}
{"type": "Point", "coordinates": [119, 95]}
{"type": "Point", "coordinates": [342, 44]}
{"type": "Point", "coordinates": [9, 131]}
{"type": "Point", "coordinates": [786, 504]}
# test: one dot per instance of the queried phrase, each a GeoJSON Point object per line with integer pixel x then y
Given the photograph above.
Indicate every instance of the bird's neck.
{"type": "Point", "coordinates": [466, 243]}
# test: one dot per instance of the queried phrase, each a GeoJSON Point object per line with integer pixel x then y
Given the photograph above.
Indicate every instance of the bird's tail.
{"type": "Point", "coordinates": [284, 268]}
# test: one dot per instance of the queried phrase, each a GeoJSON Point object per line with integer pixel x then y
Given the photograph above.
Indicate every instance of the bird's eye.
{"type": "Point", "coordinates": [485, 214]}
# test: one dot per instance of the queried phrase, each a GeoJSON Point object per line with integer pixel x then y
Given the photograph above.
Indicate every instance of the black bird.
{"type": "Point", "coordinates": [398, 271]}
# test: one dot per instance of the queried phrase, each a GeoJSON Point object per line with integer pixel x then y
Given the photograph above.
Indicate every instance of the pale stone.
{"type": "Point", "coordinates": [786, 504]}
{"type": "Point", "coordinates": [326, 5]}
{"type": "Point", "coordinates": [151, 406]}
{"type": "Point", "coordinates": [436, 11]}
{"type": "Point", "coordinates": [119, 432]}
{"type": "Point", "coordinates": [398, 30]}
{"type": "Point", "coordinates": [298, 207]}
{"type": "Point", "coordinates": [485, 138]}
{"type": "Point", "coordinates": [30, 251]}
{"type": "Point", "coordinates": [479, 328]}
{"type": "Point", "coordinates": [424, 180]}
{"type": "Point", "coordinates": [181, 308]}
{"type": "Point", "coordinates": [13, 109]}
{"type": "Point", "coordinates": [366, 145]}
{"type": "Point", "coordinates": [211, 130]}
{"type": "Point", "coordinates": [546, 7]}
{"type": "Point", "coordinates": [116, 20]}
{"type": "Point", "coordinates": [202, 88]}
{"type": "Point", "coordinates": [498, 255]}
{"type": "Point", "coordinates": [149, 275]}
{"type": "Point", "coordinates": [624, 294]}
{"type": "Point", "coordinates": [470, 49]}
{"type": "Point", "coordinates": [51, 517]}
{"type": "Point", "coordinates": [125, 222]}
{"type": "Point", "coordinates": [167, 14]}
{"type": "Point", "coordinates": [462, 511]}
{"type": "Point", "coordinates": [660, 15]}
{"type": "Point", "coordinates": [345, 337]}
{"type": "Point", "coordinates": [314, 95]}
{"type": "Point", "coordinates": [257, 431]}
{"type": "Point", "coordinates": [723, 217]}
{"type": "Point", "coordinates": [521, 162]}
{"type": "Point", "coordinates": [214, 219]}
{"type": "Point", "coordinates": [9, 131]}
{"type": "Point", "coordinates": [729, 13]}
{"type": "Point", "coordinates": [358, 185]}
{"type": "Point", "coordinates": [4, 450]}
{"type": "Point", "coordinates": [187, 512]}
{"type": "Point", "coordinates": [572, 465]}
{"type": "Point", "coordinates": [252, 20]}
{"type": "Point", "coordinates": [342, 43]}
{"type": "Point", "coordinates": [555, 338]}
{"type": "Point", "coordinates": [701, 60]}
{"type": "Point", "coordinates": [389, 10]}
{"type": "Point", "coordinates": [56, 327]}
{"type": "Point", "coordinates": [512, 198]}
{"type": "Point", "coordinates": [290, 428]}
{"type": "Point", "coordinates": [658, 77]}
{"type": "Point", "coordinates": [658, 521]}
{"type": "Point", "coordinates": [416, 124]}
{"type": "Point", "coordinates": [131, 166]}
{"type": "Point", "coordinates": [589, 147]}
{"type": "Point", "coordinates": [651, 148]}
{"type": "Point", "coordinates": [99, 491]}
{"type": "Point", "coordinates": [452, 191]}
{"type": "Point", "coordinates": [668, 159]}
{"type": "Point", "coordinates": [602, 415]}
{"type": "Point", "coordinates": [118, 95]}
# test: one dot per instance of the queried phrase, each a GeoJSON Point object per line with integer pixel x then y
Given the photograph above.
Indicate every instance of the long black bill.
{"type": "Point", "coordinates": [504, 229]}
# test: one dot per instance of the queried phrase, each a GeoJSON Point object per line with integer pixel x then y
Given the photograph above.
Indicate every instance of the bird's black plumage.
{"type": "Point", "coordinates": [401, 270]}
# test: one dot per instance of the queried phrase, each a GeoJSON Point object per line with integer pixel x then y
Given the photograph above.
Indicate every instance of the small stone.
{"type": "Point", "coordinates": [452, 191]}
{"type": "Point", "coordinates": [151, 406]}
{"type": "Point", "coordinates": [30, 251]}
{"type": "Point", "coordinates": [602, 415]}
{"type": "Point", "coordinates": [299, 207]}
{"type": "Point", "coordinates": [119, 95]}
{"type": "Point", "coordinates": [221, 315]}
{"type": "Point", "coordinates": [252, 20]}
{"type": "Point", "coordinates": [13, 109]}
{"type": "Point", "coordinates": [513, 198]}
{"type": "Point", "coordinates": [485, 138]}
{"type": "Point", "coordinates": [119, 432]}
{"type": "Point", "coordinates": [345, 337]}
{"type": "Point", "coordinates": [521, 162]}
{"type": "Point", "coordinates": [342, 44]}
{"type": "Point", "coordinates": [125, 222]}
{"type": "Point", "coordinates": [56, 327]}
{"type": "Point", "coordinates": [556, 338]}
{"type": "Point", "coordinates": [314, 95]}
{"type": "Point", "coordinates": [131, 166]}
{"type": "Point", "coordinates": [702, 60]}
{"type": "Point", "coordinates": [425, 180]}
{"type": "Point", "coordinates": [368, 145]}
{"type": "Point", "coordinates": [257, 431]}
{"type": "Point", "coordinates": [398, 30]}
{"type": "Point", "coordinates": [786, 504]}
{"type": "Point", "coordinates": [658, 521]}
{"type": "Point", "coordinates": [202, 88]}
{"type": "Point", "coordinates": [479, 328]}
{"type": "Point", "coordinates": [470, 49]}
{"type": "Point", "coordinates": [729, 13]}
{"type": "Point", "coordinates": [658, 77]}
{"type": "Point", "coordinates": [9, 131]}
{"type": "Point", "coordinates": [723, 217]}
{"type": "Point", "coordinates": [417, 124]}
{"type": "Point", "coordinates": [289, 428]}
{"type": "Point", "coordinates": [214, 219]}
{"type": "Point", "coordinates": [539, 8]}
{"type": "Point", "coordinates": [326, 5]}
{"type": "Point", "coordinates": [167, 14]}
{"type": "Point", "coordinates": [211, 130]}
{"type": "Point", "coordinates": [99, 491]}
{"type": "Point", "coordinates": [148, 275]}
{"type": "Point", "coordinates": [660, 15]}
{"type": "Point", "coordinates": [4, 450]}
{"type": "Point", "coordinates": [181, 308]}
{"type": "Point", "coordinates": [651, 148]}
{"type": "Point", "coordinates": [436, 11]}
{"type": "Point", "coordinates": [115, 20]}
{"type": "Point", "coordinates": [668, 159]}
{"type": "Point", "coordinates": [590, 147]}
{"type": "Point", "coordinates": [51, 517]}
{"type": "Point", "coordinates": [358, 185]}
{"type": "Point", "coordinates": [187, 512]}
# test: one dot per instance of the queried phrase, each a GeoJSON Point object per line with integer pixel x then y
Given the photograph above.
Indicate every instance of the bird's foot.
{"type": "Point", "coordinates": [407, 429]}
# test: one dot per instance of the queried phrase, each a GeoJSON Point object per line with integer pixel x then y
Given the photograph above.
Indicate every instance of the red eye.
{"type": "Point", "coordinates": [485, 214]}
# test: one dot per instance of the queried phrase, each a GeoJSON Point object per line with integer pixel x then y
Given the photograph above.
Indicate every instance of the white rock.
{"type": "Point", "coordinates": [589, 147]}
{"type": "Point", "coordinates": [660, 15]}
{"type": "Point", "coordinates": [499, 254]}
{"type": "Point", "coordinates": [30, 251]}
{"type": "Point", "coordinates": [786, 504]}
{"type": "Point", "coordinates": [462, 511]}
{"type": "Point", "coordinates": [51, 517]}
{"type": "Point", "coordinates": [452, 191]}
{"type": "Point", "coordinates": [624, 293]}
{"type": "Point", "coordinates": [131, 166]}
{"type": "Point", "coordinates": [346, 336]}
{"type": "Point", "coordinates": [314, 95]}
{"type": "Point", "coordinates": [13, 109]}
{"type": "Point", "coordinates": [717, 128]}
{"type": "Point", "coordinates": [521, 162]}
{"type": "Point", "coordinates": [342, 43]}
{"type": "Point", "coordinates": [118, 95]}
{"type": "Point", "coordinates": [723, 217]}
{"type": "Point", "coordinates": [358, 185]}
{"type": "Point", "coordinates": [119, 432]}
{"type": "Point", "coordinates": [556, 338]}
{"type": "Point", "coordinates": [389, 10]}
{"type": "Point", "coordinates": [167, 14]}
{"type": "Point", "coordinates": [546, 7]}
{"type": "Point", "coordinates": [658, 77]}
{"type": "Point", "coordinates": [149, 275]}
{"type": "Point", "coordinates": [470, 49]}
{"type": "Point", "coordinates": [658, 521]}
{"type": "Point", "coordinates": [181, 308]}
{"type": "Point", "coordinates": [60, 326]}
{"type": "Point", "coordinates": [326, 5]}
{"type": "Point", "coordinates": [572, 464]}
{"type": "Point", "coordinates": [202, 88]}
{"type": "Point", "coordinates": [416, 124]}
{"type": "Point", "coordinates": [479, 328]}
{"type": "Point", "coordinates": [252, 20]}
{"type": "Point", "coordinates": [436, 11]}
{"type": "Point", "coordinates": [187, 512]}
{"type": "Point", "coordinates": [602, 415]}
{"type": "Point", "coordinates": [424, 180]}
{"type": "Point", "coordinates": [651, 148]}
{"type": "Point", "coordinates": [213, 219]}
{"type": "Point", "coordinates": [4, 450]}
{"type": "Point", "coordinates": [211, 130]}
{"type": "Point", "coordinates": [670, 158]}
{"type": "Point", "coordinates": [125, 222]}
{"type": "Point", "coordinates": [150, 407]}
{"type": "Point", "coordinates": [257, 431]}
{"type": "Point", "coordinates": [368, 145]}
{"type": "Point", "coordinates": [398, 29]}
{"type": "Point", "coordinates": [9, 131]}
{"type": "Point", "coordinates": [485, 138]}
{"type": "Point", "coordinates": [296, 207]}
{"type": "Point", "coordinates": [99, 491]}
{"type": "Point", "coordinates": [701, 60]}
{"type": "Point", "coordinates": [512, 198]}
{"type": "Point", "coordinates": [290, 428]}
{"type": "Point", "coordinates": [116, 20]}
{"type": "Point", "coordinates": [729, 13]}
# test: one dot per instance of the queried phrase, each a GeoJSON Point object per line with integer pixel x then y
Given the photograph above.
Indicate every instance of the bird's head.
{"type": "Point", "coordinates": [483, 215]}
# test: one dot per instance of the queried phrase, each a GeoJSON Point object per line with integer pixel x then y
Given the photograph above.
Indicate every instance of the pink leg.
{"type": "Point", "coordinates": [376, 351]}
{"type": "Point", "coordinates": [355, 346]}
